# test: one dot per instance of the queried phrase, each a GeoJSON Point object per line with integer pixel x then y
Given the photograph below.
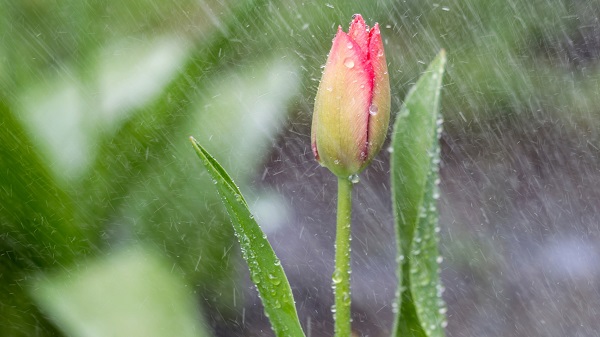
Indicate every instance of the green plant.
{"type": "Point", "coordinates": [415, 158]}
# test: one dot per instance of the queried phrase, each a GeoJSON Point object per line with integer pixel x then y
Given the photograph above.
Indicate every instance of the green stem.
{"type": "Point", "coordinates": [341, 275]}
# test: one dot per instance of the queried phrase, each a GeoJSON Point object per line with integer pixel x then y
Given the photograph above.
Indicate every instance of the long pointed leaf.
{"type": "Point", "coordinates": [414, 170]}
{"type": "Point", "coordinates": [265, 268]}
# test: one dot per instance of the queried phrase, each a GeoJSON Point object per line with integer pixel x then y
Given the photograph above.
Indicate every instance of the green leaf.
{"type": "Point", "coordinates": [123, 156]}
{"type": "Point", "coordinates": [36, 214]}
{"type": "Point", "coordinates": [414, 170]}
{"type": "Point", "coordinates": [265, 268]}
{"type": "Point", "coordinates": [129, 293]}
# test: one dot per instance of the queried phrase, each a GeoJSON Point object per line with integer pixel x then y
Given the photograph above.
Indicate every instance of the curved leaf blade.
{"type": "Point", "coordinates": [414, 170]}
{"type": "Point", "coordinates": [265, 268]}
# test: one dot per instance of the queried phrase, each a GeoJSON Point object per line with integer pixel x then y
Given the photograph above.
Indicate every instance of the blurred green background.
{"type": "Point", "coordinates": [98, 99]}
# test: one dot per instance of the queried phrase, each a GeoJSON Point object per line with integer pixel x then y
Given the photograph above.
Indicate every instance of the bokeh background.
{"type": "Point", "coordinates": [98, 98]}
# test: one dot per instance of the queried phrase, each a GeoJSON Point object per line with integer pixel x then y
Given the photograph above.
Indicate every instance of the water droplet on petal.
{"type": "Point", "coordinates": [373, 109]}
{"type": "Point", "coordinates": [329, 88]}
{"type": "Point", "coordinates": [354, 179]}
{"type": "Point", "coordinates": [349, 63]}
{"type": "Point", "coordinates": [350, 45]}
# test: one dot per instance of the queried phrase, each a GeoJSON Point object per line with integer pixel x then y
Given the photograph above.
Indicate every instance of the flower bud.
{"type": "Point", "coordinates": [352, 106]}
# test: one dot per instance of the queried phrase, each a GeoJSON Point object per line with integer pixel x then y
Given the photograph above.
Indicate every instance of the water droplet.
{"type": "Point", "coordinates": [350, 45]}
{"type": "Point", "coordinates": [255, 278]}
{"type": "Point", "coordinates": [330, 89]}
{"type": "Point", "coordinates": [349, 63]}
{"type": "Point", "coordinates": [373, 109]}
{"type": "Point", "coordinates": [274, 279]}
{"type": "Point", "coordinates": [336, 278]}
{"type": "Point", "coordinates": [354, 178]}
{"type": "Point", "coordinates": [380, 52]}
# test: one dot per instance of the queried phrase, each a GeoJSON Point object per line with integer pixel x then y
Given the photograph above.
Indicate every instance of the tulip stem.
{"type": "Point", "coordinates": [341, 275]}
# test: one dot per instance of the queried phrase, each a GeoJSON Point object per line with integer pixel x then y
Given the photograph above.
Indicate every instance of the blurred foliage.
{"type": "Point", "coordinates": [97, 99]}
{"type": "Point", "coordinates": [129, 293]}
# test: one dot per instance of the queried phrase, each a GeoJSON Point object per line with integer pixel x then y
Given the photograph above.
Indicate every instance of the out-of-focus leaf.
{"type": "Point", "coordinates": [170, 204]}
{"type": "Point", "coordinates": [68, 121]}
{"type": "Point", "coordinates": [414, 174]}
{"type": "Point", "coordinates": [128, 293]}
{"type": "Point", "coordinates": [124, 156]}
{"type": "Point", "coordinates": [36, 215]}
{"type": "Point", "coordinates": [265, 268]}
{"type": "Point", "coordinates": [240, 116]}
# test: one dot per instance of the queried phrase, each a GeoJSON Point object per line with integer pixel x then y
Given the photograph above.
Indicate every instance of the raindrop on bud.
{"type": "Point", "coordinates": [349, 63]}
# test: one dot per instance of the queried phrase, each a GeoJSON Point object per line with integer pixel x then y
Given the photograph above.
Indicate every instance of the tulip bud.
{"type": "Point", "coordinates": [352, 106]}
